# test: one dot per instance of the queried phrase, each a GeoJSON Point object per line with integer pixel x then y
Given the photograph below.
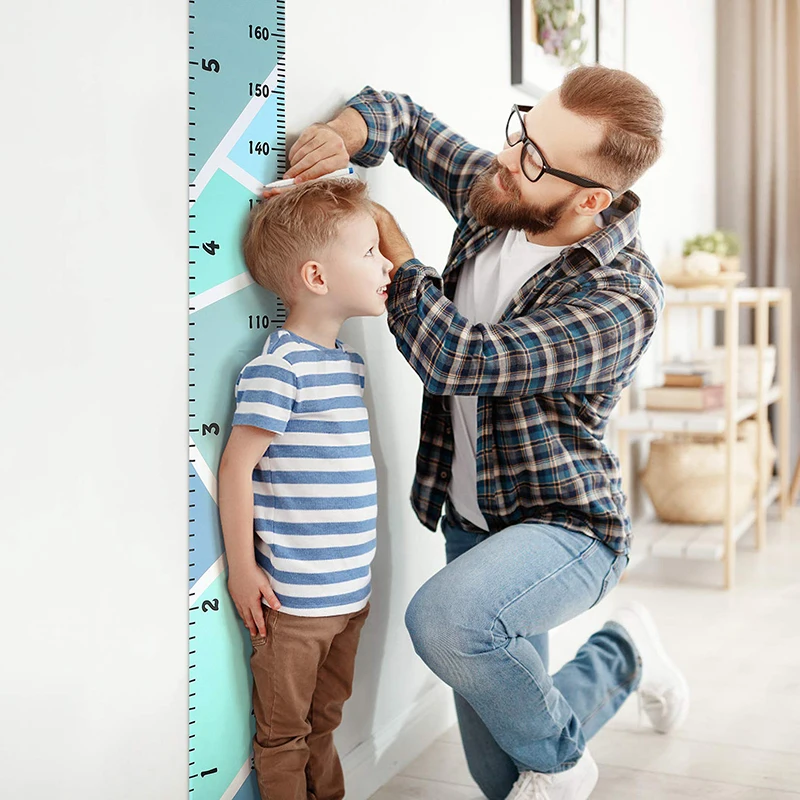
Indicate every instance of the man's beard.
{"type": "Point", "coordinates": [491, 208]}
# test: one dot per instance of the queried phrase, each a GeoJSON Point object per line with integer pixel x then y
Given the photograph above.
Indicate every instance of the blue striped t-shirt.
{"type": "Point", "coordinates": [315, 489]}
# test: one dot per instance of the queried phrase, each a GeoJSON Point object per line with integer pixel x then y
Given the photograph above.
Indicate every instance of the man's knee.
{"type": "Point", "coordinates": [445, 628]}
{"type": "Point", "coordinates": [423, 621]}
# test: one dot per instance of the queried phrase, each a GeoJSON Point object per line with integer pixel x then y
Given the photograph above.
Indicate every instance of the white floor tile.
{"type": "Point", "coordinates": [404, 788]}
{"type": "Point", "coordinates": [617, 783]}
{"type": "Point", "coordinates": [743, 766]}
{"type": "Point", "coordinates": [442, 761]}
{"type": "Point", "coordinates": [452, 736]}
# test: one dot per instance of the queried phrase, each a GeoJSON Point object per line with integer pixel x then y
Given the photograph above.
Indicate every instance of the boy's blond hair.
{"type": "Point", "coordinates": [296, 226]}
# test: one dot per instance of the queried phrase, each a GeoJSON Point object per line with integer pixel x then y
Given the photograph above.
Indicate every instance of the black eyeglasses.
{"type": "Point", "coordinates": [531, 160]}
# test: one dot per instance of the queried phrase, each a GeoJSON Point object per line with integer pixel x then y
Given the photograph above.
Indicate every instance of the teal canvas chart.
{"type": "Point", "coordinates": [236, 144]}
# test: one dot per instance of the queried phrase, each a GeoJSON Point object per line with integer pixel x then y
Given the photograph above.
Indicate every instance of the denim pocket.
{"type": "Point", "coordinates": [612, 577]}
{"type": "Point", "coordinates": [590, 548]}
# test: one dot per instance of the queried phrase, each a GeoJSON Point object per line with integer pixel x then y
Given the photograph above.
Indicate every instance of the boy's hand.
{"type": "Point", "coordinates": [247, 586]}
{"type": "Point", "coordinates": [393, 244]}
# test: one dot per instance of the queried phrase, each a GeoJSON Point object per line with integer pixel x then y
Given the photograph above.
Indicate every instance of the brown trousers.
{"type": "Point", "coordinates": [302, 676]}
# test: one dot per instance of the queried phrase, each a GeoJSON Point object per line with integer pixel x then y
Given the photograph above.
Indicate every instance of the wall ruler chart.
{"type": "Point", "coordinates": [236, 144]}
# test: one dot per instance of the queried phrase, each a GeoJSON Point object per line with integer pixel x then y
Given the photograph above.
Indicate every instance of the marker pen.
{"type": "Point", "coordinates": [340, 173]}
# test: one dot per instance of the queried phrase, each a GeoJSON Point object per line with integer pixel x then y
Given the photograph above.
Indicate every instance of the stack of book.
{"type": "Point", "coordinates": [687, 387]}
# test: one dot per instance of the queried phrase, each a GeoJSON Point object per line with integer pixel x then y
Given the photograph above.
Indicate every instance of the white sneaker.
{"type": "Point", "coordinates": [663, 691]}
{"type": "Point", "coordinates": [575, 783]}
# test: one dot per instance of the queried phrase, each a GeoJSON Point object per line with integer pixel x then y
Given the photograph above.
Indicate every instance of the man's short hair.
{"type": "Point", "coordinates": [296, 226]}
{"type": "Point", "coordinates": [630, 113]}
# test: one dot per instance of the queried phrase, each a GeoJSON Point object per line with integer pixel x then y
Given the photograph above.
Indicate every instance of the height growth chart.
{"type": "Point", "coordinates": [236, 144]}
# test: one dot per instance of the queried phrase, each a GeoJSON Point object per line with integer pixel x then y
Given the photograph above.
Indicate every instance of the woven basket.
{"type": "Point", "coordinates": [686, 480]}
{"type": "Point", "coordinates": [748, 430]}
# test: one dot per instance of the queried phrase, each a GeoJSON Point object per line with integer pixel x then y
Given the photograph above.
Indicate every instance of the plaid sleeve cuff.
{"type": "Point", "coordinates": [377, 113]}
{"type": "Point", "coordinates": [405, 288]}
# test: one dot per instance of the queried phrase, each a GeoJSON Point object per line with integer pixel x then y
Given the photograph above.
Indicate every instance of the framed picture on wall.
{"type": "Point", "coordinates": [550, 37]}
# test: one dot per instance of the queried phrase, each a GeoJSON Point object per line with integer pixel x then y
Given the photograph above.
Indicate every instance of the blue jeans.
{"type": "Point", "coordinates": [481, 624]}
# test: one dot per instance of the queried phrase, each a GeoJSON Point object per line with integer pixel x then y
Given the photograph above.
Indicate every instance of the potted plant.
{"type": "Point", "coordinates": [724, 245]}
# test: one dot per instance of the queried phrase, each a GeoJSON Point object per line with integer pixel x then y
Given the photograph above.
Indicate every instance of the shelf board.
{"type": "Point", "coordinates": [716, 297]}
{"type": "Point", "coordinates": [646, 421]}
{"type": "Point", "coordinates": [695, 542]}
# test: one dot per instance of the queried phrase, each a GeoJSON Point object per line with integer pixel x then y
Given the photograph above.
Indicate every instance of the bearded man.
{"type": "Point", "coordinates": [524, 344]}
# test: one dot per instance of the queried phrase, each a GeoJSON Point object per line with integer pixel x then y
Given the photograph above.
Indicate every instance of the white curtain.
{"type": "Point", "coordinates": [758, 154]}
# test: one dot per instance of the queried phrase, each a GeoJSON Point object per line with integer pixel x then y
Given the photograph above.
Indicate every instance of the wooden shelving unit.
{"type": "Point", "coordinates": [718, 542]}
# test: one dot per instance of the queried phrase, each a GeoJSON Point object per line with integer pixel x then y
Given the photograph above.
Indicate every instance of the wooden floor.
{"type": "Point", "coordinates": [740, 652]}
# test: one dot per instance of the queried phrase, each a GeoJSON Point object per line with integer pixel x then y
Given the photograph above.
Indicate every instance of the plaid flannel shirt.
{"type": "Point", "coordinates": [547, 374]}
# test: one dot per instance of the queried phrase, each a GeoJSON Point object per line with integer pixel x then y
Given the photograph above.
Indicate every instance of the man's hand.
{"type": "Point", "coordinates": [323, 148]}
{"type": "Point", "coordinates": [274, 191]}
{"type": "Point", "coordinates": [318, 151]}
{"type": "Point", "coordinates": [247, 585]}
{"type": "Point", "coordinates": [393, 243]}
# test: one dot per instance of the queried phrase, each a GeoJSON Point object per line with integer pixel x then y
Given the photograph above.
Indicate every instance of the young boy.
{"type": "Point", "coordinates": [298, 473]}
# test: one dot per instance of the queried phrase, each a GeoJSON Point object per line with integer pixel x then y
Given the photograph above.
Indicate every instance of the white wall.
{"type": "Point", "coordinates": [93, 400]}
{"type": "Point", "coordinates": [672, 47]}
{"type": "Point", "coordinates": [93, 357]}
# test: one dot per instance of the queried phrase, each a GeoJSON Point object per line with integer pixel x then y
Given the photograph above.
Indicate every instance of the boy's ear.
{"type": "Point", "coordinates": [312, 276]}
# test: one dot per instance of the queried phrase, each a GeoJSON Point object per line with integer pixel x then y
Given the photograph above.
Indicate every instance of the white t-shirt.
{"type": "Point", "coordinates": [485, 287]}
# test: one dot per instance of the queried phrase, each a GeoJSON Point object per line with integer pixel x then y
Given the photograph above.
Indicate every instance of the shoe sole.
{"type": "Point", "coordinates": [649, 625]}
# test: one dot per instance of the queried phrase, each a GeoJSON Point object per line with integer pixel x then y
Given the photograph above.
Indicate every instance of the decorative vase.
{"type": "Point", "coordinates": [730, 264]}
